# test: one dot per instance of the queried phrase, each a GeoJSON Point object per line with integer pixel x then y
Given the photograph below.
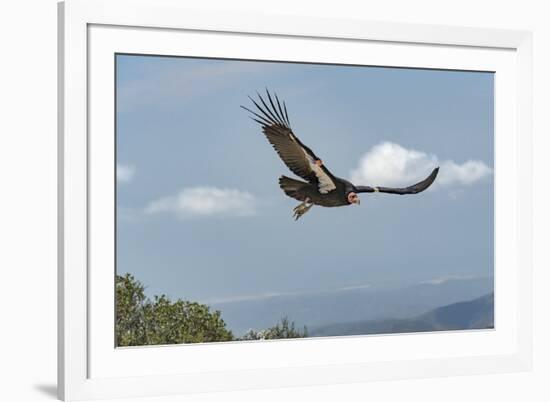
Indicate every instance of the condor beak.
{"type": "Point", "coordinates": [358, 201]}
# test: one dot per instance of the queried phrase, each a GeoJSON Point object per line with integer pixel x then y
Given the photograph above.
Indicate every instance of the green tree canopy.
{"type": "Point", "coordinates": [161, 321]}
{"type": "Point", "coordinates": [141, 321]}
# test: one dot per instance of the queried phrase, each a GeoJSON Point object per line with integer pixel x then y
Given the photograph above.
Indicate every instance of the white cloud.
{"type": "Point", "coordinates": [204, 202]}
{"type": "Point", "coordinates": [467, 173]}
{"type": "Point", "coordinates": [445, 279]}
{"type": "Point", "coordinates": [356, 287]}
{"type": "Point", "coordinates": [390, 164]}
{"type": "Point", "coordinates": [125, 173]}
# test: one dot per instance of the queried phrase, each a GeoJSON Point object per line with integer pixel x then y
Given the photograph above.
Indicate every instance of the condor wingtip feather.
{"type": "Point", "coordinates": [269, 114]}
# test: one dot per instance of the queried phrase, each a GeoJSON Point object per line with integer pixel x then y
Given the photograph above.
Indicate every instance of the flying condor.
{"type": "Point", "coordinates": [321, 187]}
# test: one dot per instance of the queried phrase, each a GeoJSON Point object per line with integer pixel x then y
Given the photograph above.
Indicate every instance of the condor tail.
{"type": "Point", "coordinates": [293, 188]}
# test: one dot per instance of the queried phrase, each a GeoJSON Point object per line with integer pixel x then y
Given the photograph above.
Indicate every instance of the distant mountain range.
{"type": "Point", "coordinates": [316, 310]}
{"type": "Point", "coordinates": [473, 314]}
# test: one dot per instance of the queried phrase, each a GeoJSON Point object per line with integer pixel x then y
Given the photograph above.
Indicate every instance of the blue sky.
{"type": "Point", "coordinates": [201, 216]}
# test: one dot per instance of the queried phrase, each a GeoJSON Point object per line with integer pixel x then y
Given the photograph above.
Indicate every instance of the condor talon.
{"type": "Point", "coordinates": [301, 210]}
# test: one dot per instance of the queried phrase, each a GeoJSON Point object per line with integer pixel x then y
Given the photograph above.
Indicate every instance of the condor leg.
{"type": "Point", "coordinates": [302, 208]}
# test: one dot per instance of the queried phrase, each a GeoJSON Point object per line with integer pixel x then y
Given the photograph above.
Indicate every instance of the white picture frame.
{"type": "Point", "coordinates": [91, 32]}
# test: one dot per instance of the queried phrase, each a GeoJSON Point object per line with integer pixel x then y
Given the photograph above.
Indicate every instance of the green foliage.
{"type": "Point", "coordinates": [141, 321]}
{"type": "Point", "coordinates": [130, 311]}
{"type": "Point", "coordinates": [183, 322]}
{"type": "Point", "coordinates": [283, 330]}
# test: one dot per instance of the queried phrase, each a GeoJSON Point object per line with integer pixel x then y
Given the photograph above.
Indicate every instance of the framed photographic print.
{"type": "Point", "coordinates": [259, 201]}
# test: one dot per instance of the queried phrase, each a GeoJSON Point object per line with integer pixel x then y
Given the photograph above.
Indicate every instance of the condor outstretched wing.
{"type": "Point", "coordinates": [297, 157]}
{"type": "Point", "coordinates": [414, 189]}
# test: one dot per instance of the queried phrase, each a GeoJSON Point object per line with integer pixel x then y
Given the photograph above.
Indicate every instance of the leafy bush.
{"type": "Point", "coordinates": [283, 330]}
{"type": "Point", "coordinates": [161, 321]}
{"type": "Point", "coordinates": [141, 321]}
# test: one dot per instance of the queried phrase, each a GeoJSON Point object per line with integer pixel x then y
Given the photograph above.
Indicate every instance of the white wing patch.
{"type": "Point", "coordinates": [326, 184]}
